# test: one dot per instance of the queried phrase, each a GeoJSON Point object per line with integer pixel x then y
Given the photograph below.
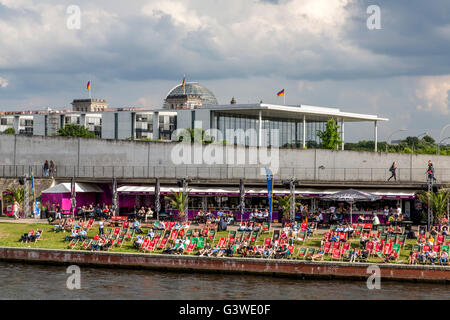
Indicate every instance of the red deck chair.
{"type": "Point", "coordinates": [387, 248]}
{"type": "Point", "coordinates": [369, 246]}
{"type": "Point", "coordinates": [342, 236]}
{"type": "Point", "coordinates": [144, 245]}
{"type": "Point", "coordinates": [336, 245]}
{"type": "Point", "coordinates": [345, 247]}
{"type": "Point", "coordinates": [327, 247]}
{"type": "Point", "coordinates": [437, 248]}
{"type": "Point", "coordinates": [126, 225]}
{"type": "Point", "coordinates": [171, 225]}
{"type": "Point", "coordinates": [304, 226]}
{"type": "Point", "coordinates": [426, 248]}
{"type": "Point", "coordinates": [222, 241]}
{"type": "Point", "coordinates": [163, 243]}
{"type": "Point", "coordinates": [231, 241]}
{"type": "Point", "coordinates": [151, 245]}
{"type": "Point", "coordinates": [205, 232]}
{"type": "Point", "coordinates": [166, 224]}
{"type": "Point", "coordinates": [378, 248]}
{"type": "Point", "coordinates": [440, 239]}
{"type": "Point", "coordinates": [173, 235]}
{"type": "Point", "coordinates": [336, 254]}
{"type": "Point", "coordinates": [267, 242]}
{"type": "Point", "coordinates": [190, 247]}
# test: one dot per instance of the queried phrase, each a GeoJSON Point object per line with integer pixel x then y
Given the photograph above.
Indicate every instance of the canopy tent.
{"type": "Point", "coordinates": [230, 191]}
{"type": "Point", "coordinates": [351, 196]}
{"type": "Point", "coordinates": [86, 193]}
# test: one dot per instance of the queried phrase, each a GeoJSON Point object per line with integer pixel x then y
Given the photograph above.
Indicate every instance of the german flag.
{"type": "Point", "coordinates": [281, 93]}
{"type": "Point", "coordinates": [184, 82]}
{"type": "Point", "coordinates": [88, 87]}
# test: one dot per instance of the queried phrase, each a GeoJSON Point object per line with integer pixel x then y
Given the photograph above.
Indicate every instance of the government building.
{"type": "Point", "coordinates": [189, 107]}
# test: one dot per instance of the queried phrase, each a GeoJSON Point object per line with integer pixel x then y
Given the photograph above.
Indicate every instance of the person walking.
{"type": "Point", "coordinates": [393, 170]}
{"type": "Point", "coordinates": [52, 168]}
{"type": "Point", "coordinates": [46, 168]}
{"type": "Point", "coordinates": [16, 209]}
{"type": "Point", "coordinates": [430, 171]}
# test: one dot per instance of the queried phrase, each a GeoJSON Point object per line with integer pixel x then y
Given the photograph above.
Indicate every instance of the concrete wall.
{"type": "Point", "coordinates": [118, 158]}
{"type": "Point", "coordinates": [267, 267]}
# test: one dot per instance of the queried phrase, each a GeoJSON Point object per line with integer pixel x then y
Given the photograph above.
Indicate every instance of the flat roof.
{"type": "Point", "coordinates": [312, 113]}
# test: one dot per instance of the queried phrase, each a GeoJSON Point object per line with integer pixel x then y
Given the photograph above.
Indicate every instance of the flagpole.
{"type": "Point", "coordinates": [284, 98]}
{"type": "Point", "coordinates": [184, 84]}
{"type": "Point", "coordinates": [90, 87]}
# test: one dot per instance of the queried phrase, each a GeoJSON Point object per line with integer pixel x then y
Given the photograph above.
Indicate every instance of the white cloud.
{"type": "Point", "coordinates": [433, 94]}
{"type": "Point", "coordinates": [3, 82]}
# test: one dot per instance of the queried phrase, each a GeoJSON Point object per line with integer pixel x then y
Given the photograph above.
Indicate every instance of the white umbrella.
{"type": "Point", "coordinates": [351, 196]}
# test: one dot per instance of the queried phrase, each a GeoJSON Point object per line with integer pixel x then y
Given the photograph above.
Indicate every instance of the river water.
{"type": "Point", "coordinates": [26, 281]}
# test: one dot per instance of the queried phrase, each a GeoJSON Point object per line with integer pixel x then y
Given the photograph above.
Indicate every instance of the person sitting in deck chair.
{"type": "Point", "coordinates": [137, 244]}
{"type": "Point", "coordinates": [73, 235]}
{"type": "Point", "coordinates": [354, 256]}
{"type": "Point", "coordinates": [136, 227]}
{"type": "Point", "coordinates": [317, 255]}
{"type": "Point", "coordinates": [412, 258]}
{"type": "Point", "coordinates": [432, 257]}
{"type": "Point", "coordinates": [444, 258]}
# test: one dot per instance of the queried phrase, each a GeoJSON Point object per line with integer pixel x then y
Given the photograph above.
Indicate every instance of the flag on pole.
{"type": "Point", "coordinates": [88, 87]}
{"type": "Point", "coordinates": [184, 82]}
{"type": "Point", "coordinates": [281, 93]}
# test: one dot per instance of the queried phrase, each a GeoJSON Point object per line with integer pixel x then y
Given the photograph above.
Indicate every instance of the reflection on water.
{"type": "Point", "coordinates": [22, 281]}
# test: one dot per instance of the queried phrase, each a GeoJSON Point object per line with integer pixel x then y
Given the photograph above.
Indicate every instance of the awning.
{"type": "Point", "coordinates": [304, 192]}
{"type": "Point", "coordinates": [79, 187]}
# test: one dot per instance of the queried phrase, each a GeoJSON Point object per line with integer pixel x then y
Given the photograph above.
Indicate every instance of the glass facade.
{"type": "Point", "coordinates": [290, 132]}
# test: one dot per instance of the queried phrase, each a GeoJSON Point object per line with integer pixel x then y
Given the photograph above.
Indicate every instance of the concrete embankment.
{"type": "Point", "coordinates": [270, 267]}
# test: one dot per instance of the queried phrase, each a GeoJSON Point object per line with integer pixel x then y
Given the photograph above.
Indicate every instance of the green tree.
{"type": "Point", "coordinates": [330, 136]}
{"type": "Point", "coordinates": [179, 201]}
{"type": "Point", "coordinates": [194, 135]}
{"type": "Point", "coordinates": [437, 200]}
{"type": "Point", "coordinates": [75, 130]}
{"type": "Point", "coordinates": [284, 203]}
{"type": "Point", "coordinates": [15, 194]}
{"type": "Point", "coordinates": [9, 131]}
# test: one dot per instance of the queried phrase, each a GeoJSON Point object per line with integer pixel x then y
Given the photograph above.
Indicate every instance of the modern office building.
{"type": "Point", "coordinates": [188, 107]}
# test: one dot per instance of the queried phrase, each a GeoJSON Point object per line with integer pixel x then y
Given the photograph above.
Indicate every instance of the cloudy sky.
{"type": "Point", "coordinates": [320, 51]}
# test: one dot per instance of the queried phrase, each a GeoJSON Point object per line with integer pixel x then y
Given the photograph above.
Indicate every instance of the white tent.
{"type": "Point", "coordinates": [79, 187]}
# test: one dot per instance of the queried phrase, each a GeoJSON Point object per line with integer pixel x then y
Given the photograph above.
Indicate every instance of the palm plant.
{"type": "Point", "coordinates": [437, 200]}
{"type": "Point", "coordinates": [179, 201]}
{"type": "Point", "coordinates": [15, 194]}
{"type": "Point", "coordinates": [285, 204]}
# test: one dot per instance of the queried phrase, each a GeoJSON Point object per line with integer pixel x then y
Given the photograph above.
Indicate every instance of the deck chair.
{"type": "Point", "coordinates": [301, 236]}
{"type": "Point", "coordinates": [73, 243]}
{"type": "Point", "coordinates": [276, 235]}
{"type": "Point", "coordinates": [310, 252]}
{"type": "Point", "coordinates": [222, 241]}
{"type": "Point", "coordinates": [144, 245]}
{"type": "Point", "coordinates": [378, 248]}
{"type": "Point", "coordinates": [370, 247]}
{"type": "Point", "coordinates": [190, 247]}
{"type": "Point", "coordinates": [336, 254]}
{"type": "Point", "coordinates": [302, 253]}
{"type": "Point", "coordinates": [345, 246]}
{"type": "Point", "coordinates": [265, 227]}
{"type": "Point", "coordinates": [347, 254]}
{"type": "Point", "coordinates": [211, 235]}
{"type": "Point", "coordinates": [232, 234]}
{"type": "Point", "coordinates": [86, 243]}
{"type": "Point", "coordinates": [201, 242]}
{"type": "Point", "coordinates": [188, 233]}
{"type": "Point", "coordinates": [267, 242]}
{"type": "Point", "coordinates": [326, 248]}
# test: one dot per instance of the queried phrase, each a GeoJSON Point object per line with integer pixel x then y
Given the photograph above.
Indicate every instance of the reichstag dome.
{"type": "Point", "coordinates": [193, 96]}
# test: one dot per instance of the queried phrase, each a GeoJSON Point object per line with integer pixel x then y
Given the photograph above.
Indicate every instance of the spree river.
{"type": "Point", "coordinates": [26, 281]}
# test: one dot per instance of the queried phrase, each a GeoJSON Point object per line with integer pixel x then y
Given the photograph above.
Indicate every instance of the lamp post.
{"type": "Point", "coordinates": [389, 138]}
{"type": "Point", "coordinates": [439, 144]}
{"type": "Point", "coordinates": [440, 137]}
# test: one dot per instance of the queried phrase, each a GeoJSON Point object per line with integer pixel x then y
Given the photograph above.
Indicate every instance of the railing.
{"type": "Point", "coordinates": [219, 172]}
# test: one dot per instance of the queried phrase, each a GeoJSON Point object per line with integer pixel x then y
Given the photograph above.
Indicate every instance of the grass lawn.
{"type": "Point", "coordinates": [10, 234]}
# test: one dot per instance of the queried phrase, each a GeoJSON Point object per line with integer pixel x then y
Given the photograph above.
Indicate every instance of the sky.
{"type": "Point", "coordinates": [322, 53]}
